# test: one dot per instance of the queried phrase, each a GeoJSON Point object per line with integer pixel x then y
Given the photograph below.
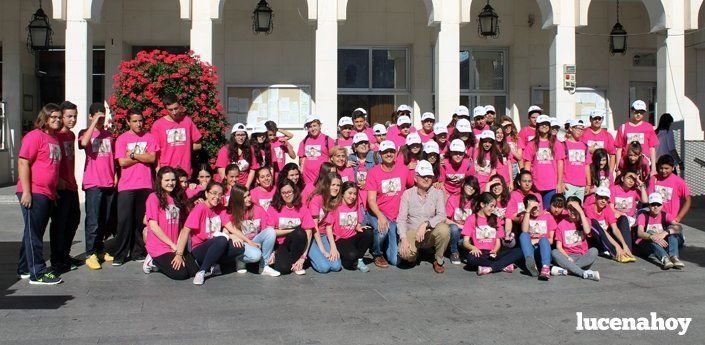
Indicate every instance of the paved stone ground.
{"type": "Point", "coordinates": [416, 306]}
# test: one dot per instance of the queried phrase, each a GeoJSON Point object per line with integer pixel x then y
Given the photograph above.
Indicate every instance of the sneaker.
{"type": "Point", "coordinates": [455, 259]}
{"type": "Point", "coordinates": [139, 258]}
{"type": "Point", "coordinates": [558, 271]}
{"type": "Point", "coordinates": [92, 262]}
{"type": "Point", "coordinates": [545, 273]}
{"type": "Point", "coordinates": [629, 258]}
{"type": "Point", "coordinates": [107, 257]}
{"type": "Point", "coordinates": [268, 271]}
{"type": "Point", "coordinates": [216, 271]}
{"type": "Point", "coordinates": [483, 270]}
{"type": "Point", "coordinates": [677, 263]}
{"type": "Point", "coordinates": [23, 275]}
{"type": "Point", "coordinates": [46, 279]}
{"type": "Point", "coordinates": [240, 265]}
{"type": "Point", "coordinates": [666, 263]}
{"type": "Point", "coordinates": [300, 272]}
{"type": "Point", "coordinates": [118, 263]}
{"type": "Point", "coordinates": [592, 275]}
{"type": "Point", "coordinates": [199, 278]}
{"type": "Point", "coordinates": [509, 269]}
{"type": "Point", "coordinates": [148, 265]}
{"type": "Point", "coordinates": [531, 266]}
{"type": "Point", "coordinates": [381, 262]}
{"type": "Point", "coordinates": [361, 266]}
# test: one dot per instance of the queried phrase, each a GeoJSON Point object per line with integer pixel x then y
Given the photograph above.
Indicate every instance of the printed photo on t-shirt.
{"type": "Point", "coordinates": [391, 186]}
{"type": "Point", "coordinates": [176, 136]}
{"type": "Point", "coordinates": [573, 237]}
{"type": "Point", "coordinates": [544, 154]}
{"type": "Point", "coordinates": [538, 227]}
{"type": "Point", "coordinates": [347, 219]}
{"type": "Point", "coordinates": [666, 192]}
{"type": "Point", "coordinates": [596, 144]}
{"type": "Point", "coordinates": [265, 203]}
{"type": "Point", "coordinates": [361, 176]}
{"type": "Point", "coordinates": [455, 178]}
{"type": "Point", "coordinates": [635, 137]}
{"type": "Point", "coordinates": [485, 170]}
{"type": "Point", "coordinates": [576, 156]}
{"type": "Point", "coordinates": [623, 204]}
{"type": "Point", "coordinates": [500, 212]}
{"type": "Point", "coordinates": [461, 213]}
{"type": "Point", "coordinates": [313, 151]}
{"type": "Point", "coordinates": [68, 149]}
{"type": "Point", "coordinates": [288, 223]}
{"type": "Point", "coordinates": [101, 146]}
{"type": "Point", "coordinates": [213, 224]}
{"type": "Point", "coordinates": [172, 214]}
{"type": "Point", "coordinates": [138, 148]}
{"type": "Point", "coordinates": [603, 224]}
{"type": "Point", "coordinates": [604, 182]}
{"type": "Point", "coordinates": [250, 226]}
{"type": "Point", "coordinates": [54, 153]}
{"type": "Point", "coordinates": [485, 232]}
{"type": "Point", "coordinates": [653, 229]}
{"type": "Point", "coordinates": [278, 152]}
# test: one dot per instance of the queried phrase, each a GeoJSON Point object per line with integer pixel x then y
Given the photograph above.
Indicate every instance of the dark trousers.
{"type": "Point", "coordinates": [290, 251]}
{"type": "Point", "coordinates": [600, 240]}
{"type": "Point", "coordinates": [215, 250]}
{"type": "Point", "coordinates": [505, 257]}
{"type": "Point", "coordinates": [35, 219]}
{"type": "Point", "coordinates": [163, 262]}
{"type": "Point", "coordinates": [131, 208]}
{"type": "Point", "coordinates": [65, 218]}
{"type": "Point", "coordinates": [99, 201]}
{"type": "Point", "coordinates": [354, 248]}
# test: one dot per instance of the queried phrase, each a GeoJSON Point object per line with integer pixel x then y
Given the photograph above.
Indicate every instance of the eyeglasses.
{"type": "Point", "coordinates": [346, 127]}
{"type": "Point", "coordinates": [404, 126]}
{"type": "Point", "coordinates": [597, 118]}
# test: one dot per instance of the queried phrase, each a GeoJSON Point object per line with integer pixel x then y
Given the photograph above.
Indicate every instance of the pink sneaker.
{"type": "Point", "coordinates": [483, 270]}
{"type": "Point", "coordinates": [545, 273]}
{"type": "Point", "coordinates": [509, 269]}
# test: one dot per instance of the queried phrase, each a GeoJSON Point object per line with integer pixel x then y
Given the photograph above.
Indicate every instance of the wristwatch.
{"type": "Point", "coordinates": [132, 156]}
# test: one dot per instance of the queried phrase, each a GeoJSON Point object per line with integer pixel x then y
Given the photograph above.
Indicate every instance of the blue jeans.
{"type": "Point", "coordinates": [266, 240]}
{"type": "Point", "coordinates": [675, 242]}
{"type": "Point", "coordinates": [35, 219]}
{"type": "Point", "coordinates": [64, 222]}
{"type": "Point", "coordinates": [389, 237]}
{"type": "Point", "coordinates": [546, 196]}
{"type": "Point", "coordinates": [319, 262]}
{"type": "Point", "coordinates": [541, 249]}
{"type": "Point", "coordinates": [98, 204]}
{"type": "Point", "coordinates": [455, 238]}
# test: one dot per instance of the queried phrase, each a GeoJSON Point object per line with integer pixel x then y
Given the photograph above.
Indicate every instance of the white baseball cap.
{"type": "Point", "coordinates": [413, 138]}
{"type": "Point", "coordinates": [490, 108]}
{"type": "Point", "coordinates": [486, 134]}
{"type": "Point", "coordinates": [404, 107]}
{"type": "Point", "coordinates": [310, 119]}
{"type": "Point", "coordinates": [387, 145]}
{"type": "Point", "coordinates": [431, 147]}
{"type": "Point", "coordinates": [259, 129]}
{"type": "Point", "coordinates": [345, 121]}
{"type": "Point", "coordinates": [238, 127]}
{"type": "Point", "coordinates": [457, 145]}
{"type": "Point", "coordinates": [439, 128]}
{"type": "Point", "coordinates": [639, 105]}
{"type": "Point", "coordinates": [478, 111]}
{"type": "Point", "coordinates": [403, 120]}
{"type": "Point", "coordinates": [462, 110]}
{"type": "Point", "coordinates": [576, 122]}
{"type": "Point", "coordinates": [362, 110]}
{"type": "Point", "coordinates": [424, 168]}
{"type": "Point", "coordinates": [379, 129]}
{"type": "Point", "coordinates": [655, 198]}
{"type": "Point", "coordinates": [533, 109]}
{"type": "Point", "coordinates": [543, 118]}
{"type": "Point", "coordinates": [603, 191]}
{"type": "Point", "coordinates": [463, 126]}
{"type": "Point", "coordinates": [555, 122]}
{"type": "Point", "coordinates": [428, 116]}
{"type": "Point", "coordinates": [597, 113]}
{"type": "Point", "coordinates": [360, 137]}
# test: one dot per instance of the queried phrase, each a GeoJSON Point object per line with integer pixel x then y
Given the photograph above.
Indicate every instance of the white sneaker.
{"type": "Point", "coordinates": [199, 278]}
{"type": "Point", "coordinates": [300, 272]}
{"type": "Point", "coordinates": [592, 275]}
{"type": "Point", "coordinates": [148, 265]}
{"type": "Point", "coordinates": [558, 271]}
{"type": "Point", "coordinates": [240, 265]}
{"type": "Point", "coordinates": [268, 271]}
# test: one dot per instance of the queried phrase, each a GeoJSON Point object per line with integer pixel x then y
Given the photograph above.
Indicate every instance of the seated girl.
{"type": "Point", "coordinates": [572, 253]}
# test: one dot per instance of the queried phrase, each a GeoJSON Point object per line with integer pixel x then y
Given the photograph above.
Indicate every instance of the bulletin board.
{"type": "Point", "coordinates": [287, 105]}
{"type": "Point", "coordinates": [589, 99]}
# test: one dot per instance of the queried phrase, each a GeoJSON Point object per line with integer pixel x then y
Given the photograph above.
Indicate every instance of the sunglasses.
{"type": "Point", "coordinates": [654, 204]}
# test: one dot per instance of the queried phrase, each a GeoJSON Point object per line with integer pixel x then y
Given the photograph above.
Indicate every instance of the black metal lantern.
{"type": "Point", "coordinates": [488, 22]}
{"type": "Point", "coordinates": [262, 18]}
{"type": "Point", "coordinates": [618, 37]}
{"type": "Point", "coordinates": [39, 31]}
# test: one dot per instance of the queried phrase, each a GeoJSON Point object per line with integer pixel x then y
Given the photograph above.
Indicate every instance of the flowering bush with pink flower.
{"type": "Point", "coordinates": [143, 81]}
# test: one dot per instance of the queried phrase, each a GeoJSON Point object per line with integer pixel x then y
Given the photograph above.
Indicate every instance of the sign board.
{"type": "Point", "coordinates": [287, 105]}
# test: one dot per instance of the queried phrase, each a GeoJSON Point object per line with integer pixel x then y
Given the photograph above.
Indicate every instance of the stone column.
{"type": "Point", "coordinates": [562, 53]}
{"type": "Point", "coordinates": [446, 65]}
{"type": "Point", "coordinates": [326, 66]}
{"type": "Point", "coordinates": [202, 31]}
{"type": "Point", "coordinates": [12, 45]}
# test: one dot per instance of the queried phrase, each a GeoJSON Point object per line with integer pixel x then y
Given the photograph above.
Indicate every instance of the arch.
{"type": "Point", "coordinates": [547, 13]}
{"type": "Point", "coordinates": [58, 9]}
{"type": "Point", "coordinates": [696, 12]}
{"type": "Point", "coordinates": [657, 14]}
{"type": "Point", "coordinates": [185, 9]}
{"type": "Point", "coordinates": [216, 8]}
{"type": "Point", "coordinates": [93, 9]}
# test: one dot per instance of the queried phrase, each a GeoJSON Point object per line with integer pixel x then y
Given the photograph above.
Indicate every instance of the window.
{"type": "Point", "coordinates": [50, 70]}
{"type": "Point", "coordinates": [483, 77]}
{"type": "Point", "coordinates": [374, 78]}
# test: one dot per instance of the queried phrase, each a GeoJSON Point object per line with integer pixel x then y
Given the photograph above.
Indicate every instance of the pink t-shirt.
{"type": "Point", "coordinates": [624, 201]}
{"type": "Point", "coordinates": [175, 140]}
{"type": "Point", "coordinates": [605, 217]}
{"type": "Point", "coordinates": [346, 143]}
{"type": "Point", "coordinates": [100, 168]}
{"type": "Point", "coordinates": [643, 169]}
{"type": "Point", "coordinates": [244, 165]}
{"type": "Point", "coordinates": [516, 203]}
{"type": "Point", "coordinates": [204, 222]}
{"type": "Point", "coordinates": [262, 197]}
{"type": "Point", "coordinates": [452, 176]}
{"type": "Point", "coordinates": [44, 155]}
{"type": "Point", "coordinates": [672, 189]}
{"type": "Point", "coordinates": [600, 140]}
{"type": "Point", "coordinates": [525, 135]}
{"type": "Point", "coordinates": [572, 237]}
{"type": "Point", "coordinates": [344, 220]}
{"type": "Point", "coordinates": [398, 139]}
{"type": "Point", "coordinates": [66, 166]}
{"type": "Point", "coordinates": [168, 221]}
{"type": "Point", "coordinates": [308, 189]}
{"type": "Point", "coordinates": [455, 211]}
{"type": "Point", "coordinates": [542, 226]}
{"type": "Point", "coordinates": [389, 187]}
{"type": "Point", "coordinates": [191, 192]}
{"type": "Point", "coordinates": [655, 223]}
{"type": "Point", "coordinates": [279, 153]}
{"type": "Point", "coordinates": [315, 150]}
{"type": "Point", "coordinates": [289, 218]}
{"type": "Point", "coordinates": [393, 131]}
{"type": "Point", "coordinates": [347, 174]}
{"type": "Point", "coordinates": [255, 221]}
{"type": "Point", "coordinates": [315, 206]}
{"type": "Point", "coordinates": [543, 163]}
{"type": "Point", "coordinates": [643, 133]}
{"type": "Point", "coordinates": [483, 173]}
{"type": "Point", "coordinates": [574, 166]}
{"type": "Point", "coordinates": [425, 137]}
{"type": "Point", "coordinates": [478, 131]}
{"type": "Point", "coordinates": [138, 175]}
{"type": "Point", "coordinates": [483, 235]}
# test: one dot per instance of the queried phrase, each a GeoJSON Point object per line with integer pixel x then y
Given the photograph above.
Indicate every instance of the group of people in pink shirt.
{"type": "Point", "coordinates": [547, 199]}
